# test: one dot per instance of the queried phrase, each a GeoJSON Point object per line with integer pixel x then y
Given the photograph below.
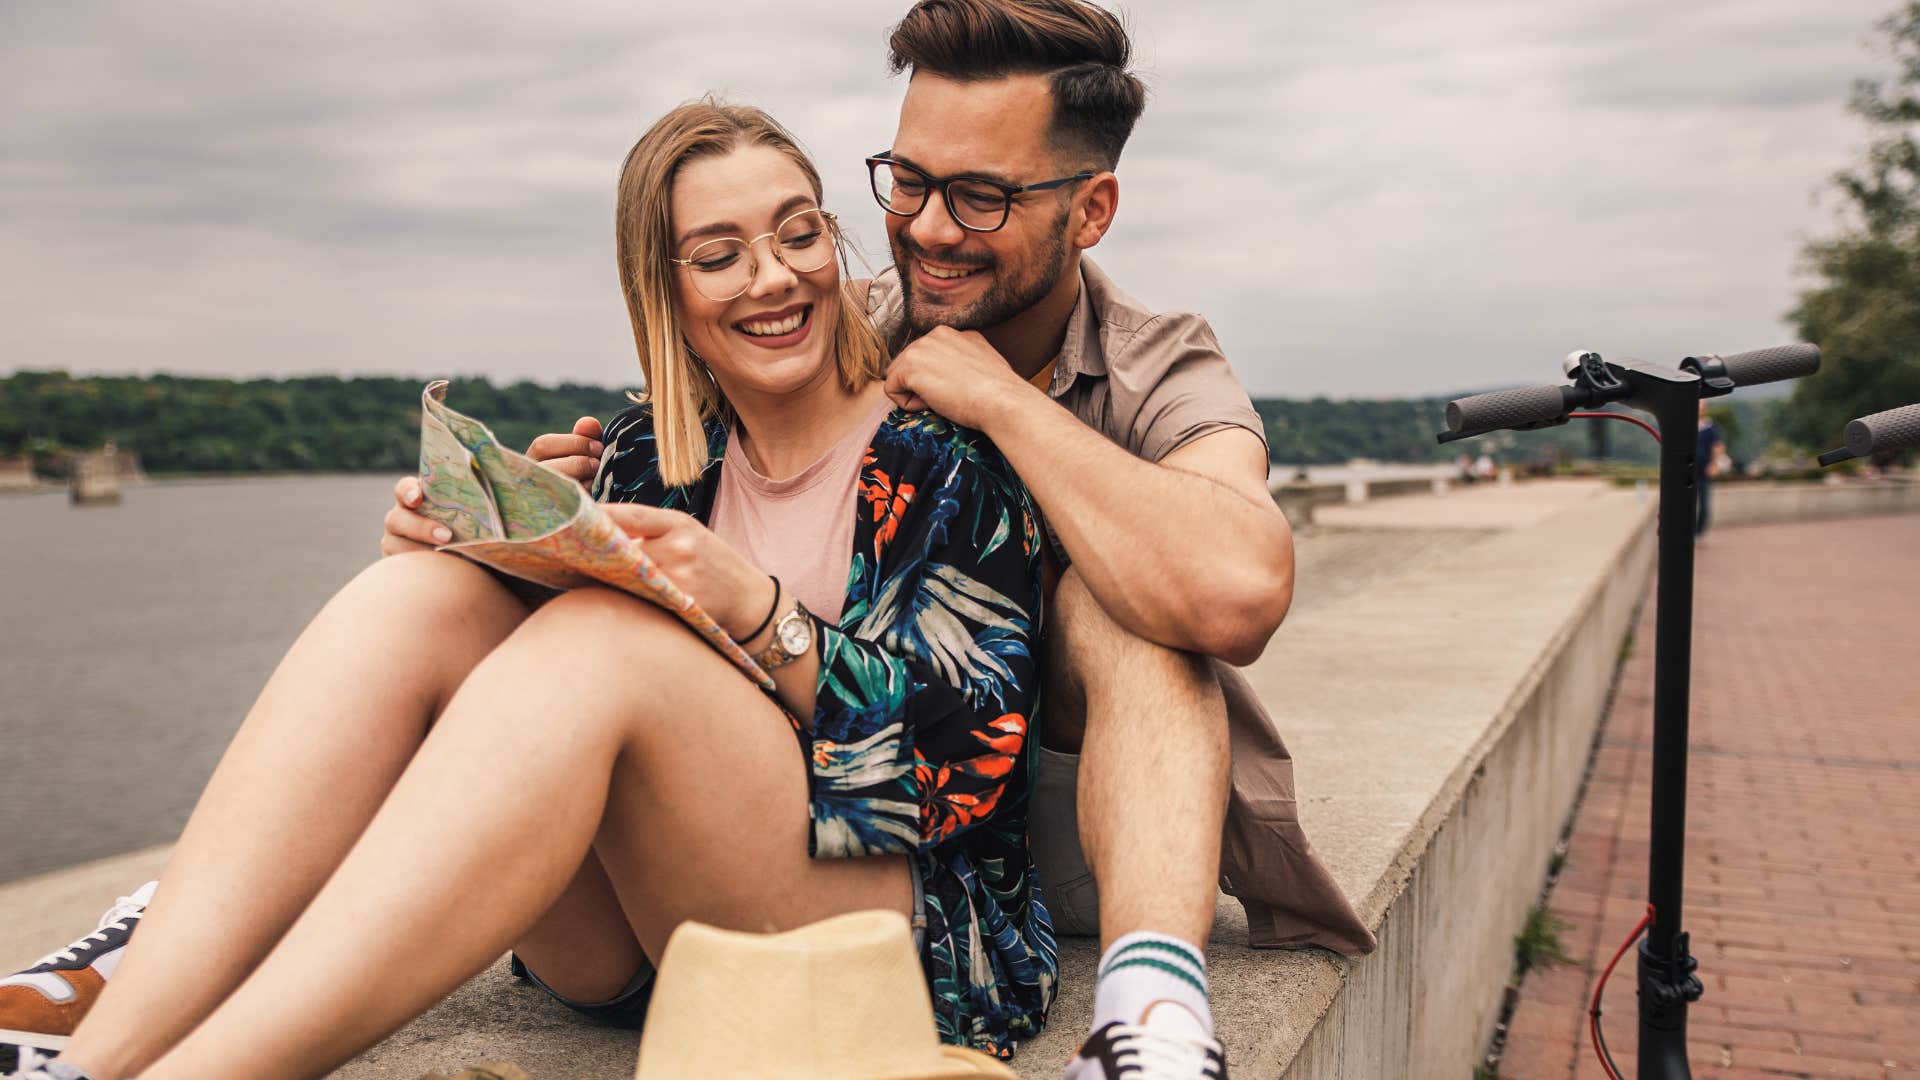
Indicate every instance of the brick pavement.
{"type": "Point", "coordinates": [1803, 820]}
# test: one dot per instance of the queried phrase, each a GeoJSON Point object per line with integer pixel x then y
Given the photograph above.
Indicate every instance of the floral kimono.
{"type": "Point", "coordinates": [918, 744]}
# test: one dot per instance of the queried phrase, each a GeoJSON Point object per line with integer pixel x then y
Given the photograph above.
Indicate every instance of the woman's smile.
{"type": "Point", "coordinates": [777, 329]}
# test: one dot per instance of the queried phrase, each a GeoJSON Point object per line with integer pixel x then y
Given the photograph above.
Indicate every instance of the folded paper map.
{"type": "Point", "coordinates": [520, 518]}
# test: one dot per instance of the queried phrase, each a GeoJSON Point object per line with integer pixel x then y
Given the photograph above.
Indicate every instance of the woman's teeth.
{"type": "Point", "coordinates": [943, 272]}
{"type": "Point", "coordinates": [776, 327]}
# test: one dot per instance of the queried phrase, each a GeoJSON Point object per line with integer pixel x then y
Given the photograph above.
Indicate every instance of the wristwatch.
{"type": "Point", "coordinates": [792, 637]}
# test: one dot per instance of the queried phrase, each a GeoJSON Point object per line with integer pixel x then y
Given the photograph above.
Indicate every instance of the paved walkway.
{"type": "Point", "coordinates": [1803, 871]}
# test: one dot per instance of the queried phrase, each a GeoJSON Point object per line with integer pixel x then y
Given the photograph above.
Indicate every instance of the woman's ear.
{"type": "Point", "coordinates": [1094, 208]}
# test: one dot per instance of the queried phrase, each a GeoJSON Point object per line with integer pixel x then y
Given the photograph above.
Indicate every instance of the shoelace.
{"type": "Point", "coordinates": [124, 909]}
{"type": "Point", "coordinates": [1163, 1055]}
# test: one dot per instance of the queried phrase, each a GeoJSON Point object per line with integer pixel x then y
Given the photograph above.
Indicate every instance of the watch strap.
{"type": "Point", "coordinates": [775, 655]}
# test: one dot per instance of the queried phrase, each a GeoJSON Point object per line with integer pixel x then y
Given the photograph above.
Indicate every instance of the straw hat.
{"type": "Point", "coordinates": [843, 998]}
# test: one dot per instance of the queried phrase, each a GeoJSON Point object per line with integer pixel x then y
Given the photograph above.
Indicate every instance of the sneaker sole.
{"type": "Point", "coordinates": [36, 1039]}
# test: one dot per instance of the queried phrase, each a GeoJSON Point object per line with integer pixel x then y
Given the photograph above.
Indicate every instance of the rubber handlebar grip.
{"type": "Point", "coordinates": [1884, 432]}
{"type": "Point", "coordinates": [1772, 365]}
{"type": "Point", "coordinates": [1506, 409]}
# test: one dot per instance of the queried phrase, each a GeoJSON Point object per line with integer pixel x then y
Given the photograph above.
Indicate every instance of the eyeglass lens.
{"type": "Point", "coordinates": [974, 203]}
{"type": "Point", "coordinates": [724, 268]}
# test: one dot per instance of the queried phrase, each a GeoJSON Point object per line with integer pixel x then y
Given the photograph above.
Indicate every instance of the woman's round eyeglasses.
{"type": "Point", "coordinates": [724, 269]}
{"type": "Point", "coordinates": [975, 203]}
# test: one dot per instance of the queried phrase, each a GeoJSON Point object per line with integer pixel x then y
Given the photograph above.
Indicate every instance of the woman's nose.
{"type": "Point", "coordinates": [771, 275]}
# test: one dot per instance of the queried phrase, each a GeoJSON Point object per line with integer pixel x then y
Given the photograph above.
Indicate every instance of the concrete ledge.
{"type": "Point", "coordinates": [1759, 504]}
{"type": "Point", "coordinates": [1437, 683]}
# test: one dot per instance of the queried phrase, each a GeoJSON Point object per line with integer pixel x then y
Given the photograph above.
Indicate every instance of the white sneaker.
{"type": "Point", "coordinates": [1141, 1052]}
{"type": "Point", "coordinates": [40, 1007]}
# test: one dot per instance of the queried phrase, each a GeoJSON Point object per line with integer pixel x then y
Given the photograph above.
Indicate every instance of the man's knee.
{"type": "Point", "coordinates": [1100, 669]}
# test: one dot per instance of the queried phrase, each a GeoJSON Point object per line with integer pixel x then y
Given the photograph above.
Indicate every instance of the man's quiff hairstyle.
{"type": "Point", "coordinates": [1082, 49]}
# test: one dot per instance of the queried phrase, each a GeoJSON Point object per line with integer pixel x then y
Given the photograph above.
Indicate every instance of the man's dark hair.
{"type": "Point", "coordinates": [1082, 49]}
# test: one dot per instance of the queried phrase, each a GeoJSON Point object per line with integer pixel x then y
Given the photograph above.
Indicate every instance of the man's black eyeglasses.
{"type": "Point", "coordinates": [976, 203]}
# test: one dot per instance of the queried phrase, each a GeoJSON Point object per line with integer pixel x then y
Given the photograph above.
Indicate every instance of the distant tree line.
{"type": "Point", "coordinates": [319, 424]}
{"type": "Point", "coordinates": [324, 424]}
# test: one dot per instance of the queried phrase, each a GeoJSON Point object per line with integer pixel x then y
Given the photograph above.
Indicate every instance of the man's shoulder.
{"type": "Point", "coordinates": [1125, 324]}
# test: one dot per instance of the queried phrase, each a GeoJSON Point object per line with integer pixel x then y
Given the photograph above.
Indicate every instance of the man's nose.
{"type": "Point", "coordinates": [933, 226]}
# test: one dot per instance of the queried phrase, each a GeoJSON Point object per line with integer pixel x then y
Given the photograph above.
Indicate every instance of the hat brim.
{"type": "Point", "coordinates": [961, 1063]}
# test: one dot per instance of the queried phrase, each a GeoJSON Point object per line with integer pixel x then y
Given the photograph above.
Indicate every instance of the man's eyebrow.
{"type": "Point", "coordinates": [728, 228]}
{"type": "Point", "coordinates": [977, 174]}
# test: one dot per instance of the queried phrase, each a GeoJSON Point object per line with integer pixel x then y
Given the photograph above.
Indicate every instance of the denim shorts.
{"type": "Point", "coordinates": [628, 1008]}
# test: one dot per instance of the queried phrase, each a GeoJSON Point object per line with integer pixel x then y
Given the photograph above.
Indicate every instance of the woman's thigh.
{"type": "Point", "coordinates": [706, 814]}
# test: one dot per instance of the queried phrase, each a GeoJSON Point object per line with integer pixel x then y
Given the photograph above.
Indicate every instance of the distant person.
{"type": "Point", "coordinates": [1463, 466]}
{"type": "Point", "coordinates": [1708, 451]}
{"type": "Point", "coordinates": [437, 773]}
{"type": "Point", "coordinates": [1484, 468]}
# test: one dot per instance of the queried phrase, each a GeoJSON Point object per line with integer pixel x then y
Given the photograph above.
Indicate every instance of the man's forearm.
{"type": "Point", "coordinates": [1175, 557]}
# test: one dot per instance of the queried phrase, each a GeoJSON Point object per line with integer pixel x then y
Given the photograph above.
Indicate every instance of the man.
{"type": "Point", "coordinates": [1149, 464]}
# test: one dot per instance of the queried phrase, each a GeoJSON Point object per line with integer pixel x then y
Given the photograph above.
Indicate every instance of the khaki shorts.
{"type": "Point", "coordinates": [1053, 828]}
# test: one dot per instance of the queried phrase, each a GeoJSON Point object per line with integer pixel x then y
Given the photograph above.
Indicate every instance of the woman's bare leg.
{"type": "Point", "coordinates": [322, 746]}
{"type": "Point", "coordinates": [494, 816]}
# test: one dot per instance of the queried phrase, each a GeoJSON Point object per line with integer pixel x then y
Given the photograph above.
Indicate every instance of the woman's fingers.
{"type": "Point", "coordinates": [588, 428]}
{"type": "Point", "coordinates": [408, 529]}
{"type": "Point", "coordinates": [645, 522]}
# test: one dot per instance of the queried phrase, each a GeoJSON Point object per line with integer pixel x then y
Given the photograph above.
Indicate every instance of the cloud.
{"type": "Point", "coordinates": [1366, 199]}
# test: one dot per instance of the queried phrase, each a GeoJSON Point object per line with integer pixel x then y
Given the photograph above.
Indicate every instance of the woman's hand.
{"type": "Point", "coordinates": [407, 528]}
{"type": "Point", "coordinates": [732, 590]}
{"type": "Point", "coordinates": [575, 456]}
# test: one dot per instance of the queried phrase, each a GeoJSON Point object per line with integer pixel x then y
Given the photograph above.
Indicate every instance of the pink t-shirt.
{"type": "Point", "coordinates": [799, 529]}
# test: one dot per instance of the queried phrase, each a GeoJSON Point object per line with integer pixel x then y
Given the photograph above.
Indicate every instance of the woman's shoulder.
{"type": "Point", "coordinates": [630, 467]}
{"type": "Point", "coordinates": [921, 435]}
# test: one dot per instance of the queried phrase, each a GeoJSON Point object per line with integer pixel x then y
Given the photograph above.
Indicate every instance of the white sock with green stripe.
{"type": "Point", "coordinates": [1140, 969]}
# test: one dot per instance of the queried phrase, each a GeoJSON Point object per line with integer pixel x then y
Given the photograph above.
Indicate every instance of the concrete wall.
{"type": "Point", "coordinates": [1426, 1002]}
{"type": "Point", "coordinates": [1758, 504]}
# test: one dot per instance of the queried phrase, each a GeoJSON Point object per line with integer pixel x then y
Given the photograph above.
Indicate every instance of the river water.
{"type": "Point", "coordinates": [133, 637]}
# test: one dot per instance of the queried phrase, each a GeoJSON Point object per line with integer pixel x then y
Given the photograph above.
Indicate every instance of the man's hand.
{"type": "Point", "coordinates": [732, 590]}
{"type": "Point", "coordinates": [576, 456]}
{"type": "Point", "coordinates": [956, 374]}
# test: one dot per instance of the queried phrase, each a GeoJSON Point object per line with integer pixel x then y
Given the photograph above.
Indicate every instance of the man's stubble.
{"type": "Point", "coordinates": [1009, 295]}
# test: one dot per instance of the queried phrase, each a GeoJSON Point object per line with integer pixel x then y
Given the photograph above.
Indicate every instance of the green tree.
{"type": "Point", "coordinates": [1865, 310]}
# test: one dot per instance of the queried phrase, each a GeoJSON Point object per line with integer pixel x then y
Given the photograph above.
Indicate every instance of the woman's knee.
{"type": "Point", "coordinates": [436, 592]}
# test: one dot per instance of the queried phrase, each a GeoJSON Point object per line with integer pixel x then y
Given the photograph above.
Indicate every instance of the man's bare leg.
{"type": "Point", "coordinates": [1150, 726]}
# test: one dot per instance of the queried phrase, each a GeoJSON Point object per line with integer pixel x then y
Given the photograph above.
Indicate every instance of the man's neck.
{"type": "Point", "coordinates": [1032, 338]}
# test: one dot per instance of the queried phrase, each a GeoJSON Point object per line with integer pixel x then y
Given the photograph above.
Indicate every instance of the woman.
{"type": "Point", "coordinates": [594, 774]}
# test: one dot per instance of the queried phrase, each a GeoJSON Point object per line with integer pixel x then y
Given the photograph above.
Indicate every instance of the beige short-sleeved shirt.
{"type": "Point", "coordinates": [1151, 382]}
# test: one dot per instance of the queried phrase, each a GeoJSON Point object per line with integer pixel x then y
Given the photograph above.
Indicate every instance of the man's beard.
{"type": "Point", "coordinates": [1008, 296]}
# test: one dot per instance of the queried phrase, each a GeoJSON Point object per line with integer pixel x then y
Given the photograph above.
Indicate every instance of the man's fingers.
{"type": "Point", "coordinates": [588, 428]}
{"type": "Point", "coordinates": [549, 447]}
{"type": "Point", "coordinates": [578, 469]}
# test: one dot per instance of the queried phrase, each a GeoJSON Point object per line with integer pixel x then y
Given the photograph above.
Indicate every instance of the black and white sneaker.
{"type": "Point", "coordinates": [40, 1007]}
{"type": "Point", "coordinates": [1140, 1052]}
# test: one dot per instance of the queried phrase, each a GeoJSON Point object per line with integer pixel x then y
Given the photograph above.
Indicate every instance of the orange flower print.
{"type": "Point", "coordinates": [887, 503]}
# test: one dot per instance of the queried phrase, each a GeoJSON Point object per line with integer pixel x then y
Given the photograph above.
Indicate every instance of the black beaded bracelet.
{"type": "Point", "coordinates": [755, 632]}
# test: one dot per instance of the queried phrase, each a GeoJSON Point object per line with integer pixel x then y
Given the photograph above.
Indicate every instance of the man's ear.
{"type": "Point", "coordinates": [1098, 200]}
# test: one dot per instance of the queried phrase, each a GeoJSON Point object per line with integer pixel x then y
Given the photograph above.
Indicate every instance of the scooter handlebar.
{"type": "Point", "coordinates": [1884, 432]}
{"type": "Point", "coordinates": [1529, 405]}
{"type": "Point", "coordinates": [1772, 365]}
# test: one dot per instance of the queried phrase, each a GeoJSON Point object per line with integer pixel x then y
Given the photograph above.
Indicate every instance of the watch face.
{"type": "Point", "coordinates": [796, 633]}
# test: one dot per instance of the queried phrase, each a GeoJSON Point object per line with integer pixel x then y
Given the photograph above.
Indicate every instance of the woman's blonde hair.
{"type": "Point", "coordinates": [683, 394]}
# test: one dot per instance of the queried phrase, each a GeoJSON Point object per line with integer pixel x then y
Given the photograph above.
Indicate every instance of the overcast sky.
{"type": "Point", "coordinates": [1367, 199]}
